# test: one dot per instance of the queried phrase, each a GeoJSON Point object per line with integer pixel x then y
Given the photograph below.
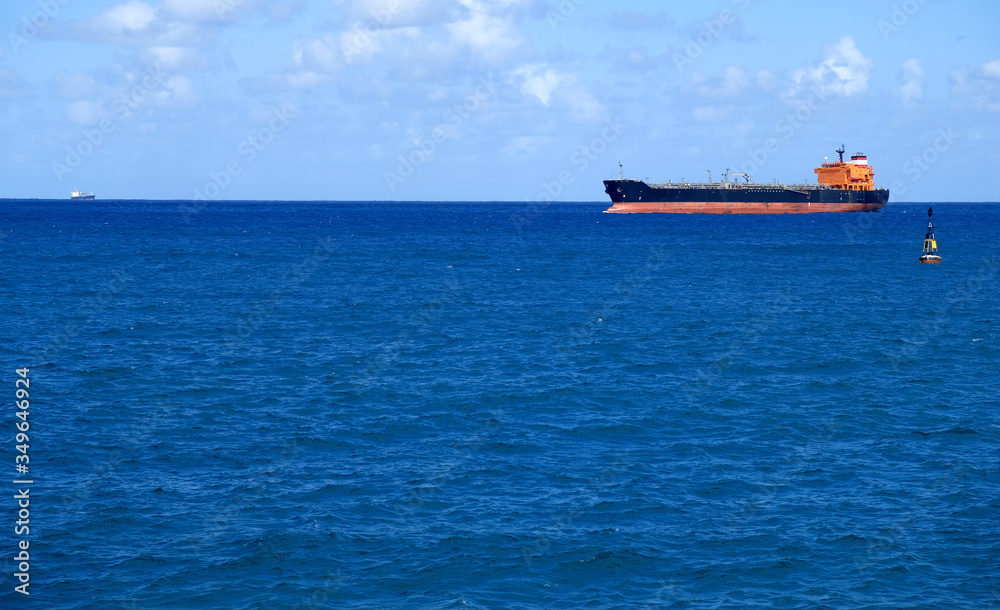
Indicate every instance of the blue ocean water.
{"type": "Point", "coordinates": [502, 405]}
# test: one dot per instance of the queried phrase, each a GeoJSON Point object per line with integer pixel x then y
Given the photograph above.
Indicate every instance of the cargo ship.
{"type": "Point", "coordinates": [79, 195]}
{"type": "Point", "coordinates": [843, 186]}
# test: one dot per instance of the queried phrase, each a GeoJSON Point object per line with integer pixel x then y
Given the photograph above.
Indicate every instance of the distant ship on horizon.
{"type": "Point", "coordinates": [79, 195]}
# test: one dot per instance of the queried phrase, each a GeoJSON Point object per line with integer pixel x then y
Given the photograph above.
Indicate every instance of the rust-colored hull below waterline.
{"type": "Point", "coordinates": [738, 207]}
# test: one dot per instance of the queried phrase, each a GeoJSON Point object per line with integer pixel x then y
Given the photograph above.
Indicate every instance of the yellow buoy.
{"type": "Point", "coordinates": [930, 244]}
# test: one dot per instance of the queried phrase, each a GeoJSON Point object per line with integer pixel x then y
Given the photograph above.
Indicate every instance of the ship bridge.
{"type": "Point", "coordinates": [855, 175]}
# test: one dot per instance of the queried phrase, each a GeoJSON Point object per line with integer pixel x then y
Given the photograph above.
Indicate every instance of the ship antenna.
{"type": "Point", "coordinates": [840, 151]}
{"type": "Point", "coordinates": [621, 170]}
{"type": "Point", "coordinates": [709, 176]}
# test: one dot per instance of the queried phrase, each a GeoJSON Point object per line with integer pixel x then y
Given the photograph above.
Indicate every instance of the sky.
{"type": "Point", "coordinates": [491, 100]}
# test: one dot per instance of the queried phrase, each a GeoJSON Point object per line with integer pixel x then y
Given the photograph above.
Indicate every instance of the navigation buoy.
{"type": "Point", "coordinates": [930, 244]}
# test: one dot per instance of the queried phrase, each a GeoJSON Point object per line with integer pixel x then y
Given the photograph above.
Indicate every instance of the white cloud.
{"type": "Point", "coordinates": [91, 101]}
{"type": "Point", "coordinates": [138, 25]}
{"type": "Point", "coordinates": [84, 112]}
{"type": "Point", "coordinates": [732, 82]}
{"type": "Point", "coordinates": [362, 44]}
{"type": "Point", "coordinates": [177, 93]}
{"type": "Point", "coordinates": [913, 82]}
{"type": "Point", "coordinates": [381, 49]}
{"type": "Point", "coordinates": [200, 10]}
{"type": "Point", "coordinates": [844, 71]}
{"type": "Point", "coordinates": [551, 87]}
{"type": "Point", "coordinates": [12, 86]}
{"type": "Point", "coordinates": [992, 69]}
{"type": "Point", "coordinates": [983, 92]}
{"type": "Point", "coordinates": [172, 58]}
{"type": "Point", "coordinates": [203, 10]}
{"type": "Point", "coordinates": [149, 40]}
{"type": "Point", "coordinates": [710, 114]}
{"type": "Point", "coordinates": [491, 36]}
{"type": "Point", "coordinates": [286, 9]}
{"type": "Point", "coordinates": [582, 103]}
{"type": "Point", "coordinates": [74, 86]}
{"type": "Point", "coordinates": [401, 13]}
{"type": "Point", "coordinates": [209, 11]}
{"type": "Point", "coordinates": [539, 81]}
{"type": "Point", "coordinates": [522, 147]}
{"type": "Point", "coordinates": [305, 80]}
{"type": "Point", "coordinates": [638, 20]}
{"type": "Point", "coordinates": [280, 81]}
{"type": "Point", "coordinates": [318, 54]}
{"type": "Point", "coordinates": [126, 18]}
{"type": "Point", "coordinates": [403, 41]}
{"type": "Point", "coordinates": [766, 79]}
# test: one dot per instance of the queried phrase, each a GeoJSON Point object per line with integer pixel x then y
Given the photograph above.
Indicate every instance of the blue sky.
{"type": "Point", "coordinates": [491, 99]}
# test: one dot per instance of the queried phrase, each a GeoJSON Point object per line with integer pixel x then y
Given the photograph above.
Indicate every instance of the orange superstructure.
{"type": "Point", "coordinates": [854, 176]}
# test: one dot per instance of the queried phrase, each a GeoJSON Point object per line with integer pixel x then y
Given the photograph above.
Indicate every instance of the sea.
{"type": "Point", "coordinates": [498, 405]}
